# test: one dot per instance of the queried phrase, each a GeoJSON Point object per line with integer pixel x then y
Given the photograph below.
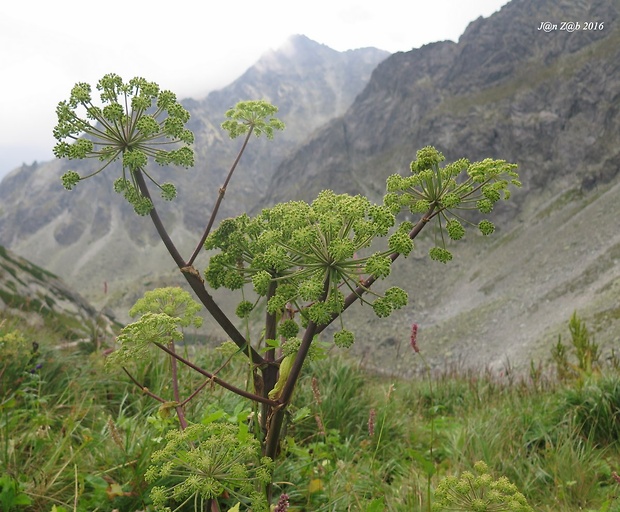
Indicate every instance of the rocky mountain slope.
{"type": "Point", "coordinates": [549, 101]}
{"type": "Point", "coordinates": [90, 235]}
{"type": "Point", "coordinates": [39, 296]}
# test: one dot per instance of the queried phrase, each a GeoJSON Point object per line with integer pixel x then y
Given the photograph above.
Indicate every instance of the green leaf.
{"type": "Point", "coordinates": [376, 505]}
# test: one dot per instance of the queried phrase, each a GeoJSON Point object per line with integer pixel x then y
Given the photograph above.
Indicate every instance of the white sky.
{"type": "Point", "coordinates": [46, 46]}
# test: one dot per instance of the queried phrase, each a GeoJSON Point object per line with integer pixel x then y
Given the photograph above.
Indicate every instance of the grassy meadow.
{"type": "Point", "coordinates": [75, 437]}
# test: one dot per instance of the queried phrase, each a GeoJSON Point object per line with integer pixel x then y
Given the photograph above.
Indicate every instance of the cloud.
{"type": "Point", "coordinates": [190, 47]}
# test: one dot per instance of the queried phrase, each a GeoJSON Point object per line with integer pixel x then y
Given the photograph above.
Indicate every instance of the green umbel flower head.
{"type": "Point", "coordinates": [304, 254]}
{"type": "Point", "coordinates": [479, 493]}
{"type": "Point", "coordinates": [205, 461]}
{"type": "Point", "coordinates": [133, 122]}
{"type": "Point", "coordinates": [442, 192]}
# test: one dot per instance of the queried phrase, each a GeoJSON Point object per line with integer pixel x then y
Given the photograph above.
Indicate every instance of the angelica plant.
{"type": "Point", "coordinates": [204, 462]}
{"type": "Point", "coordinates": [479, 493]}
{"type": "Point", "coordinates": [304, 263]}
{"type": "Point", "coordinates": [133, 122]}
{"type": "Point", "coordinates": [449, 190]}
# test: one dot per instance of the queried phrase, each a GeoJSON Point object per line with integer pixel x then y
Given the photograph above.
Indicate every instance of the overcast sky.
{"type": "Point", "coordinates": [190, 47]}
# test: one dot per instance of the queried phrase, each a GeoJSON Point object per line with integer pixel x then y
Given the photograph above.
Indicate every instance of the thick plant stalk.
{"type": "Point", "coordinates": [269, 371]}
{"type": "Point", "coordinates": [277, 414]}
{"type": "Point", "coordinates": [195, 281]}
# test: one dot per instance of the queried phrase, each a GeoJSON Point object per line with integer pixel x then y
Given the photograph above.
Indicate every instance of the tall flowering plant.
{"type": "Point", "coordinates": [304, 263]}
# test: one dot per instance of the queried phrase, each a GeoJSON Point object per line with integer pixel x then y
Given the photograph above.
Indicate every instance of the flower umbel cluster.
{"type": "Point", "coordinates": [165, 311]}
{"type": "Point", "coordinates": [303, 256]}
{"type": "Point", "coordinates": [205, 461]}
{"type": "Point", "coordinates": [135, 122]}
{"type": "Point", "coordinates": [461, 185]}
{"type": "Point", "coordinates": [252, 115]}
{"type": "Point", "coordinates": [479, 493]}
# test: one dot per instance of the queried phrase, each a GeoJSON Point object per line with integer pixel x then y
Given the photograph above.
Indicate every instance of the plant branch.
{"type": "Point", "coordinates": [219, 199]}
{"type": "Point", "coordinates": [175, 387]}
{"type": "Point", "coordinates": [144, 389]}
{"type": "Point", "coordinates": [217, 380]}
{"type": "Point", "coordinates": [193, 278]}
{"type": "Point", "coordinates": [159, 226]}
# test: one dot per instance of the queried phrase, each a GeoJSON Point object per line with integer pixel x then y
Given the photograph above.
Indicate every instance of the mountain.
{"type": "Point", "coordinates": [549, 101]}
{"type": "Point", "coordinates": [41, 297]}
{"type": "Point", "coordinates": [90, 235]}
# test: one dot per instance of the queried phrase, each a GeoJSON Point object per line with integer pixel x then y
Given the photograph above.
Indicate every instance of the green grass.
{"type": "Point", "coordinates": [74, 436]}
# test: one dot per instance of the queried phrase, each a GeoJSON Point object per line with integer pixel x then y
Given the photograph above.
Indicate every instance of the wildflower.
{"type": "Point", "coordinates": [316, 391]}
{"type": "Point", "coordinates": [319, 424]}
{"type": "Point", "coordinates": [205, 461]}
{"type": "Point", "coordinates": [371, 422]}
{"type": "Point", "coordinates": [283, 504]}
{"type": "Point", "coordinates": [414, 338]}
{"type": "Point", "coordinates": [479, 492]}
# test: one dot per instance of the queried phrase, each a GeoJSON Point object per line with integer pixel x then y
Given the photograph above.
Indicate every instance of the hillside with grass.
{"type": "Point", "coordinates": [42, 299]}
{"type": "Point", "coordinates": [77, 437]}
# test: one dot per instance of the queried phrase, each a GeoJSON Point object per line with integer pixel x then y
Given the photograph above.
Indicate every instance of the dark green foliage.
{"type": "Point", "coordinates": [593, 408]}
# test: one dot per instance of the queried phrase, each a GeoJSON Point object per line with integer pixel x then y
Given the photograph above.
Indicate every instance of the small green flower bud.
{"type": "Point", "coordinates": [397, 297]}
{"type": "Point", "coordinates": [426, 158]}
{"type": "Point", "coordinates": [142, 206]}
{"type": "Point", "coordinates": [276, 304]}
{"type": "Point", "coordinates": [310, 289]}
{"type": "Point", "coordinates": [420, 206]}
{"type": "Point", "coordinates": [344, 338]}
{"type": "Point", "coordinates": [455, 229]}
{"type": "Point", "coordinates": [395, 182]}
{"type": "Point", "coordinates": [484, 205]}
{"type": "Point", "coordinates": [134, 159]}
{"type": "Point", "coordinates": [113, 112]}
{"type": "Point", "coordinates": [233, 280]}
{"type": "Point", "coordinates": [291, 346]}
{"type": "Point", "coordinates": [261, 281]}
{"type": "Point", "coordinates": [491, 193]}
{"type": "Point", "coordinates": [440, 254]}
{"type": "Point", "coordinates": [147, 125]}
{"type": "Point", "coordinates": [244, 309]}
{"type": "Point", "coordinates": [80, 93]}
{"type": "Point", "coordinates": [288, 329]}
{"type": "Point", "coordinates": [486, 227]}
{"type": "Point", "coordinates": [80, 149]}
{"type": "Point", "coordinates": [379, 266]}
{"type": "Point", "coordinates": [341, 249]}
{"type": "Point", "coordinates": [168, 191]}
{"type": "Point", "coordinates": [401, 243]}
{"type": "Point", "coordinates": [70, 179]}
{"type": "Point", "coordinates": [382, 307]}
{"type": "Point", "coordinates": [451, 200]}
{"type": "Point", "coordinates": [320, 313]}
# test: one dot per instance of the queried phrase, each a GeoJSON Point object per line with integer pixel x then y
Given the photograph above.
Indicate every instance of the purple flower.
{"type": "Point", "coordinates": [282, 505]}
{"type": "Point", "coordinates": [414, 338]}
